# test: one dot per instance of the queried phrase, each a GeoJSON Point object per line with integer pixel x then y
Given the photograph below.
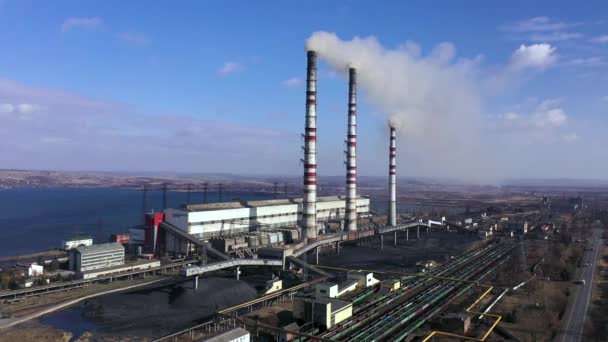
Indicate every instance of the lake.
{"type": "Point", "coordinates": [36, 220]}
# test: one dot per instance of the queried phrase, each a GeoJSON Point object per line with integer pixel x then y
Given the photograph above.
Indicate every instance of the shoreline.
{"type": "Point", "coordinates": [12, 321]}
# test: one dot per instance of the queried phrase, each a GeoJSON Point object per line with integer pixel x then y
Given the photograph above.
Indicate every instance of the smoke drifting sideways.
{"type": "Point", "coordinates": [434, 101]}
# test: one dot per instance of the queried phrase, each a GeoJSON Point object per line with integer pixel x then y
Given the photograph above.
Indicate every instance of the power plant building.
{"type": "Point", "coordinates": [227, 218]}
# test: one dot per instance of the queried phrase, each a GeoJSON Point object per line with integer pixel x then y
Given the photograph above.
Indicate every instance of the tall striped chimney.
{"type": "Point", "coordinates": [392, 181]}
{"type": "Point", "coordinates": [351, 154]}
{"type": "Point", "coordinates": [309, 204]}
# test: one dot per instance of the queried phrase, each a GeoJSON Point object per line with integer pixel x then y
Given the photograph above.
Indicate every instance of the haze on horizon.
{"type": "Point", "coordinates": [481, 92]}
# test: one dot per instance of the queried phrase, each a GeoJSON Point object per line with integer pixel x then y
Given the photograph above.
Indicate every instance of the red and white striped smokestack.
{"type": "Point", "coordinates": [392, 181]}
{"type": "Point", "coordinates": [351, 154]}
{"type": "Point", "coordinates": [309, 204]}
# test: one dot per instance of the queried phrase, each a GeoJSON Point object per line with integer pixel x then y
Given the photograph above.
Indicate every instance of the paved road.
{"type": "Point", "coordinates": [577, 313]}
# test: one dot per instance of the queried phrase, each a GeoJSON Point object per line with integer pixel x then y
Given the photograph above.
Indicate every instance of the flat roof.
{"type": "Point", "coordinates": [263, 203]}
{"type": "Point", "coordinates": [214, 206]}
{"type": "Point", "coordinates": [260, 203]}
{"type": "Point", "coordinates": [78, 238]}
{"type": "Point", "coordinates": [346, 284]}
{"type": "Point", "coordinates": [104, 247]}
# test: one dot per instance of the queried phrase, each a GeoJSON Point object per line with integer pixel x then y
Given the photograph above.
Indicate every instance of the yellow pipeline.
{"type": "Point", "coordinates": [468, 310]}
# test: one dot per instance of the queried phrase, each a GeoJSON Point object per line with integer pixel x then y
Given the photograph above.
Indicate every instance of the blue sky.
{"type": "Point", "coordinates": [217, 86]}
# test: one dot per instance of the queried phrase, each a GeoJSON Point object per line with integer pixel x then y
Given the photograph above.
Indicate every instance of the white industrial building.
{"type": "Point", "coordinates": [214, 219]}
{"type": "Point", "coordinates": [322, 310]}
{"type": "Point", "coordinates": [33, 269]}
{"type": "Point", "coordinates": [77, 242]}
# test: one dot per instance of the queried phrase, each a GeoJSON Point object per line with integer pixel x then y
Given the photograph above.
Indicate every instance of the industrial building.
{"type": "Point", "coordinates": [214, 219]}
{"type": "Point", "coordinates": [333, 290]}
{"type": "Point", "coordinates": [322, 310]}
{"type": "Point", "coordinates": [88, 258]}
{"type": "Point", "coordinates": [33, 269]}
{"type": "Point", "coordinates": [73, 243]}
{"type": "Point", "coordinates": [139, 265]}
{"type": "Point", "coordinates": [364, 279]}
{"type": "Point", "coordinates": [232, 335]}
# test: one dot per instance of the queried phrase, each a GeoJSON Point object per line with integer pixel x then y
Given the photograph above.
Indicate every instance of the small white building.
{"type": "Point", "coordinates": [32, 269]}
{"type": "Point", "coordinates": [273, 285]}
{"type": "Point", "coordinates": [484, 233]}
{"type": "Point", "coordinates": [333, 290]}
{"type": "Point", "coordinates": [233, 335]}
{"type": "Point", "coordinates": [363, 279]}
{"type": "Point", "coordinates": [73, 243]}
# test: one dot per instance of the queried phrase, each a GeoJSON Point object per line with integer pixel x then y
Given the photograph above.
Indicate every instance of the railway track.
{"type": "Point", "coordinates": [434, 299]}
{"type": "Point", "coordinates": [379, 317]}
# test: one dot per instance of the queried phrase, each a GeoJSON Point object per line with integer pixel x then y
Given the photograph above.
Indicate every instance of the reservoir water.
{"type": "Point", "coordinates": [37, 220]}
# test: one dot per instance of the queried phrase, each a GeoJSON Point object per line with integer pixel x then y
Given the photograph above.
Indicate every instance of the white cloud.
{"type": "Point", "coordinates": [549, 118]}
{"type": "Point", "coordinates": [21, 108]}
{"type": "Point", "coordinates": [590, 61]}
{"type": "Point", "coordinates": [533, 56]}
{"type": "Point", "coordinates": [135, 38]}
{"type": "Point", "coordinates": [84, 23]}
{"type": "Point", "coordinates": [536, 24]}
{"type": "Point", "coordinates": [91, 134]}
{"type": "Point", "coordinates": [549, 103]}
{"type": "Point", "coordinates": [554, 36]}
{"type": "Point", "coordinates": [541, 29]}
{"type": "Point", "coordinates": [600, 39]}
{"type": "Point", "coordinates": [6, 108]}
{"type": "Point", "coordinates": [55, 140]}
{"type": "Point", "coordinates": [26, 108]}
{"type": "Point", "coordinates": [546, 115]}
{"type": "Point", "coordinates": [443, 53]}
{"type": "Point", "coordinates": [570, 137]}
{"type": "Point", "coordinates": [605, 98]}
{"type": "Point", "coordinates": [230, 68]}
{"type": "Point", "coordinates": [293, 82]}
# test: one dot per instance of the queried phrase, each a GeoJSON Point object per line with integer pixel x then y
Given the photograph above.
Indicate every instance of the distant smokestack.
{"type": "Point", "coordinates": [392, 181]}
{"type": "Point", "coordinates": [309, 205]}
{"type": "Point", "coordinates": [351, 154]}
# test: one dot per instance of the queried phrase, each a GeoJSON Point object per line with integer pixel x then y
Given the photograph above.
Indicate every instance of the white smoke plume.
{"type": "Point", "coordinates": [433, 100]}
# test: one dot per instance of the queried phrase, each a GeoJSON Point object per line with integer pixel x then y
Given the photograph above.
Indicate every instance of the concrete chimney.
{"type": "Point", "coordinates": [309, 204]}
{"type": "Point", "coordinates": [392, 179]}
{"type": "Point", "coordinates": [351, 154]}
